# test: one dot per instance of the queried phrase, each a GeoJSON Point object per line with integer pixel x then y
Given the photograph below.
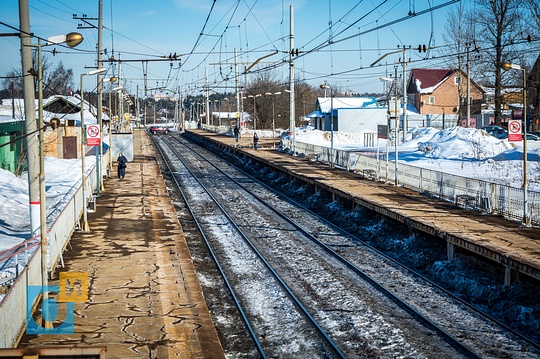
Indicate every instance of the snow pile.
{"type": "Point", "coordinates": [62, 179]}
{"type": "Point", "coordinates": [459, 143]}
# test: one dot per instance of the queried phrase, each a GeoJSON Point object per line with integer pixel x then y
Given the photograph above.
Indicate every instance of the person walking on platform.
{"type": "Point", "coordinates": [122, 160]}
{"type": "Point", "coordinates": [255, 140]}
{"type": "Point", "coordinates": [236, 133]}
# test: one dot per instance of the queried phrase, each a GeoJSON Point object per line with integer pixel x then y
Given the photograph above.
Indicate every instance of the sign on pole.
{"type": "Point", "coordinates": [514, 131]}
{"type": "Point", "coordinates": [382, 131]}
{"type": "Point", "coordinates": [92, 135]}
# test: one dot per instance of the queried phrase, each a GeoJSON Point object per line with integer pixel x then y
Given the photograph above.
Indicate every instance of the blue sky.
{"type": "Point", "coordinates": [147, 30]}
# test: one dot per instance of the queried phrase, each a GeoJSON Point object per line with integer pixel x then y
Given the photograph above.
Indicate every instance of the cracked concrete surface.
{"type": "Point", "coordinates": [145, 300]}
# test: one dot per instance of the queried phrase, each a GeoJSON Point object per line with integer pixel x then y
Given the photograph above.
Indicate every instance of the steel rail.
{"type": "Point", "coordinates": [214, 257]}
{"type": "Point", "coordinates": [295, 299]}
{"type": "Point", "coordinates": [393, 260]}
{"type": "Point", "coordinates": [366, 276]}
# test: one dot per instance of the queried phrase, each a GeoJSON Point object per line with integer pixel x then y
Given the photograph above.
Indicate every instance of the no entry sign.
{"type": "Point", "coordinates": [514, 130]}
{"type": "Point", "coordinates": [92, 135]}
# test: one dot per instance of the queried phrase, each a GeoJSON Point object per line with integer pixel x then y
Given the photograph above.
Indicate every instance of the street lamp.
{"type": "Point", "coordinates": [72, 39]}
{"type": "Point", "coordinates": [85, 227]}
{"type": "Point", "coordinates": [396, 127]}
{"type": "Point", "coordinates": [99, 168]}
{"type": "Point", "coordinates": [273, 116]}
{"type": "Point", "coordinates": [506, 67]}
{"type": "Point", "coordinates": [228, 111]}
{"type": "Point", "coordinates": [325, 87]}
{"type": "Point", "coordinates": [254, 111]}
{"type": "Point", "coordinates": [219, 113]}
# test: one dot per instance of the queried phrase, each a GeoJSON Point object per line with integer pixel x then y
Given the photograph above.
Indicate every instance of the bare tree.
{"type": "Point", "coordinates": [56, 80]}
{"type": "Point", "coordinates": [533, 85]}
{"type": "Point", "coordinates": [460, 36]}
{"type": "Point", "coordinates": [269, 108]}
{"type": "Point", "coordinates": [498, 31]}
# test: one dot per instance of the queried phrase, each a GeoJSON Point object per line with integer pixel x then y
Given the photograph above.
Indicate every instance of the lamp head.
{"type": "Point", "coordinates": [508, 66]}
{"type": "Point", "coordinates": [110, 79]}
{"type": "Point", "coordinates": [55, 123]}
{"type": "Point", "coordinates": [73, 39]}
{"type": "Point", "coordinates": [95, 72]}
{"type": "Point", "coordinates": [325, 86]}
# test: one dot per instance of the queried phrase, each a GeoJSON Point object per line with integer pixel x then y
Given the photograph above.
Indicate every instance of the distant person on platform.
{"type": "Point", "coordinates": [236, 132]}
{"type": "Point", "coordinates": [122, 160]}
{"type": "Point", "coordinates": [255, 140]}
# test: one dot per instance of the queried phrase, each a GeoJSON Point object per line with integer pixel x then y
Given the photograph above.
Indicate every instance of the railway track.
{"type": "Point", "coordinates": [362, 303]}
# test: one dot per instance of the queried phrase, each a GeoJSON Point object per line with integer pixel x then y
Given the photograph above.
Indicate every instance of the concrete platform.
{"type": "Point", "coordinates": [144, 299]}
{"type": "Point", "coordinates": [503, 241]}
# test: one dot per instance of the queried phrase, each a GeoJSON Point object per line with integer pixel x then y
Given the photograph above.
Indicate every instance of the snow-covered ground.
{"type": "Point", "coordinates": [62, 178]}
{"type": "Point", "coordinates": [461, 151]}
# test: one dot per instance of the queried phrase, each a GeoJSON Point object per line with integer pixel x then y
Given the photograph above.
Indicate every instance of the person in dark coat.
{"type": "Point", "coordinates": [236, 132]}
{"type": "Point", "coordinates": [255, 140]}
{"type": "Point", "coordinates": [122, 160]}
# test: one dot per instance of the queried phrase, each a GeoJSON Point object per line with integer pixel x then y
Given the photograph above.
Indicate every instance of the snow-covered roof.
{"type": "Point", "coordinates": [426, 81]}
{"type": "Point", "coordinates": [325, 103]}
{"type": "Point", "coordinates": [70, 105]}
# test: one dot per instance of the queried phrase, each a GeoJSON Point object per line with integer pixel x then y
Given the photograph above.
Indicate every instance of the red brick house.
{"type": "Point", "coordinates": [441, 91]}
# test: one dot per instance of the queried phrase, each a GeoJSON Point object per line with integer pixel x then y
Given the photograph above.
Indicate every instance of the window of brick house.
{"type": "Point", "coordinates": [457, 80]}
{"type": "Point", "coordinates": [431, 100]}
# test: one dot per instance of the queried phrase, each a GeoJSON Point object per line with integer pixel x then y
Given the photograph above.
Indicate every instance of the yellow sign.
{"type": "Point", "coordinates": [73, 287]}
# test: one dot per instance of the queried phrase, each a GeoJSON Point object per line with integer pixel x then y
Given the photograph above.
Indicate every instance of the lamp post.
{"type": "Point", "coordinates": [506, 67]}
{"type": "Point", "coordinates": [72, 39]}
{"type": "Point", "coordinates": [219, 113]}
{"type": "Point", "coordinates": [99, 152]}
{"type": "Point", "coordinates": [254, 111]}
{"type": "Point", "coordinates": [228, 111]}
{"type": "Point", "coordinates": [85, 227]}
{"type": "Point", "coordinates": [325, 87]}
{"type": "Point", "coordinates": [273, 116]}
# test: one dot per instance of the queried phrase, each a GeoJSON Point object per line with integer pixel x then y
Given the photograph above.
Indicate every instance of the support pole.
{"type": "Point", "coordinates": [292, 124]}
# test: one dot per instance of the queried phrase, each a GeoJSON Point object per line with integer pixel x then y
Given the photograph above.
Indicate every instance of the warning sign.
{"type": "Point", "coordinates": [92, 135]}
{"type": "Point", "coordinates": [514, 131]}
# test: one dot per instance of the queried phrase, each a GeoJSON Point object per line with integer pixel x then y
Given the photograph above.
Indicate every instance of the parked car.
{"type": "Point", "coordinates": [496, 131]}
{"type": "Point", "coordinates": [532, 137]}
{"type": "Point", "coordinates": [158, 129]}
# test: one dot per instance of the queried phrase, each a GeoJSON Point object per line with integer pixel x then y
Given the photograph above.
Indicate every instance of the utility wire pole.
{"type": "Point", "coordinates": [100, 187]}
{"type": "Point", "coordinates": [291, 83]}
{"type": "Point", "coordinates": [468, 86]}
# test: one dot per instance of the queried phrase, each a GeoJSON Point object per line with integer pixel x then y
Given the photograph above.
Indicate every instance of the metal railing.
{"type": "Point", "coordinates": [61, 222]}
{"type": "Point", "coordinates": [489, 197]}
